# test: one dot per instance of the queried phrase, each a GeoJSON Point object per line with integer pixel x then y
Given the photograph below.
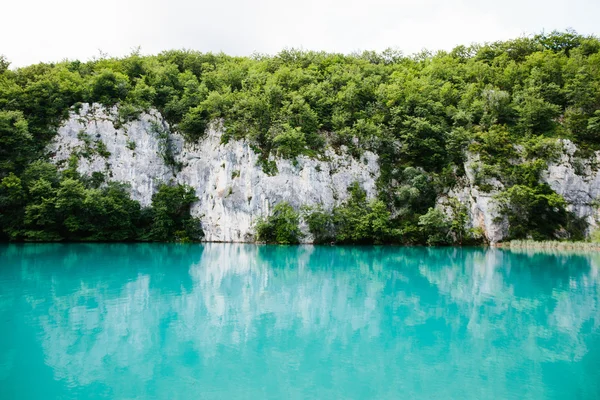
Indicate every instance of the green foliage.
{"type": "Point", "coordinates": [194, 124]}
{"type": "Point", "coordinates": [171, 218]}
{"type": "Point", "coordinates": [362, 221]}
{"type": "Point", "coordinates": [320, 224]}
{"type": "Point", "coordinates": [131, 145]}
{"type": "Point", "coordinates": [45, 205]}
{"type": "Point", "coordinates": [15, 142]}
{"type": "Point", "coordinates": [289, 142]}
{"type": "Point", "coordinates": [128, 112]}
{"type": "Point", "coordinates": [506, 102]}
{"type": "Point", "coordinates": [108, 87]}
{"type": "Point", "coordinates": [428, 105]}
{"type": "Point", "coordinates": [12, 201]}
{"type": "Point", "coordinates": [537, 213]}
{"type": "Point", "coordinates": [281, 227]}
{"type": "Point", "coordinates": [415, 192]}
{"type": "Point", "coordinates": [435, 226]}
{"type": "Point", "coordinates": [4, 64]}
{"type": "Point", "coordinates": [355, 221]}
{"type": "Point", "coordinates": [101, 149]}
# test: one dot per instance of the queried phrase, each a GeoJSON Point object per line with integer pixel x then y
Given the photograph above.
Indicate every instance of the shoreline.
{"type": "Point", "coordinates": [510, 245]}
{"type": "Point", "coordinates": [548, 245]}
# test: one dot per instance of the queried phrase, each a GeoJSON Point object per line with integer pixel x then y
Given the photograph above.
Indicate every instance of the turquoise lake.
{"type": "Point", "coordinates": [228, 321]}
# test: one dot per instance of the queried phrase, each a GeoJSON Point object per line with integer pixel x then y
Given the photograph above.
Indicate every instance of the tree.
{"type": "Point", "coordinates": [108, 87]}
{"type": "Point", "coordinates": [16, 145]}
{"type": "Point", "coordinates": [281, 227]}
{"type": "Point", "coordinates": [194, 123]}
{"type": "Point", "coordinates": [4, 64]}
{"type": "Point", "coordinates": [536, 212]}
{"type": "Point", "coordinates": [111, 213]}
{"type": "Point", "coordinates": [320, 224]}
{"type": "Point", "coordinates": [289, 142]}
{"type": "Point", "coordinates": [171, 217]}
{"type": "Point", "coordinates": [42, 223]}
{"type": "Point", "coordinates": [12, 201]}
{"type": "Point", "coordinates": [435, 226]}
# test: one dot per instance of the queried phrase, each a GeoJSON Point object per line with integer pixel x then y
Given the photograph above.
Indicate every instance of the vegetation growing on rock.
{"type": "Point", "coordinates": [281, 226]}
{"type": "Point", "coordinates": [44, 204]}
{"type": "Point", "coordinates": [504, 103]}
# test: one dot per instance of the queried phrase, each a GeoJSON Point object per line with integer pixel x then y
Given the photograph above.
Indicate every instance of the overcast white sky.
{"type": "Point", "coordinates": [52, 30]}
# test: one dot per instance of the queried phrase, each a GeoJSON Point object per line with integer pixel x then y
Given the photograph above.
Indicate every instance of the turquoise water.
{"type": "Point", "coordinates": [222, 321]}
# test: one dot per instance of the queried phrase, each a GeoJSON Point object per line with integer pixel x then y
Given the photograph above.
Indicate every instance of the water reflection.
{"type": "Point", "coordinates": [243, 321]}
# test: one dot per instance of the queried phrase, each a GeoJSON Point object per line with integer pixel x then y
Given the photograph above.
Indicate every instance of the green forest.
{"type": "Point", "coordinates": [507, 102]}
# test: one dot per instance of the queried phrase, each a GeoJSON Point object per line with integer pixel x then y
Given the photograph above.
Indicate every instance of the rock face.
{"type": "Point", "coordinates": [135, 149]}
{"type": "Point", "coordinates": [234, 191]}
{"type": "Point", "coordinates": [578, 181]}
{"type": "Point", "coordinates": [482, 210]}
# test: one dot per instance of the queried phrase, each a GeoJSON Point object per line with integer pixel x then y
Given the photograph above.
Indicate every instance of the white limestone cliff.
{"type": "Point", "coordinates": [577, 180]}
{"type": "Point", "coordinates": [234, 191]}
{"type": "Point", "coordinates": [135, 149]}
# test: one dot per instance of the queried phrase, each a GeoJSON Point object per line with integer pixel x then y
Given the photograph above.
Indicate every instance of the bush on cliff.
{"type": "Point", "coordinates": [46, 205]}
{"type": "Point", "coordinates": [281, 226]}
{"type": "Point", "coordinates": [505, 102]}
{"type": "Point", "coordinates": [538, 213]}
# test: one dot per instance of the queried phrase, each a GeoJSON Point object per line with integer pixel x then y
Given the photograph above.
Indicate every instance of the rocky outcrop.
{"type": "Point", "coordinates": [132, 152]}
{"type": "Point", "coordinates": [481, 206]}
{"type": "Point", "coordinates": [482, 210]}
{"type": "Point", "coordinates": [233, 190]}
{"type": "Point", "coordinates": [577, 180]}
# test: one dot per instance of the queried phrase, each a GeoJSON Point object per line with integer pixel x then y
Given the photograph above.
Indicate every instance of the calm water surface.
{"type": "Point", "coordinates": [222, 321]}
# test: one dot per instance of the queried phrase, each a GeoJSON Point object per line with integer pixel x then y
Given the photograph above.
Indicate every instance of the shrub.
{"type": "Point", "coordinates": [131, 145]}
{"type": "Point", "coordinates": [537, 213]}
{"type": "Point", "coordinates": [435, 226]}
{"type": "Point", "coordinates": [171, 218]}
{"type": "Point", "coordinates": [289, 142]}
{"type": "Point", "coordinates": [15, 142]}
{"type": "Point", "coordinates": [108, 87]}
{"type": "Point", "coordinates": [355, 221]}
{"type": "Point", "coordinates": [281, 227]}
{"type": "Point", "coordinates": [194, 124]}
{"type": "Point", "coordinates": [320, 224]}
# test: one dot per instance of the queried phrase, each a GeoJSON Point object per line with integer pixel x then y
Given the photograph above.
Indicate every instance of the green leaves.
{"type": "Point", "coordinates": [506, 102]}
{"type": "Point", "coordinates": [435, 226]}
{"type": "Point", "coordinates": [108, 87]}
{"type": "Point", "coordinates": [171, 218]}
{"type": "Point", "coordinates": [281, 227]}
{"type": "Point", "coordinates": [45, 205]}
{"type": "Point", "coordinates": [537, 213]}
{"type": "Point", "coordinates": [355, 221]}
{"type": "Point", "coordinates": [289, 142]}
{"type": "Point", "coordinates": [15, 142]}
{"type": "Point", "coordinates": [194, 123]}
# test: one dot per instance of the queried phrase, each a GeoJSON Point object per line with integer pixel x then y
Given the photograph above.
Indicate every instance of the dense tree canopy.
{"type": "Point", "coordinates": [421, 114]}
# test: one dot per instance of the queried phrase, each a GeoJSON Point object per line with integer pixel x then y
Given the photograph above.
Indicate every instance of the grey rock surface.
{"type": "Point", "coordinates": [234, 191]}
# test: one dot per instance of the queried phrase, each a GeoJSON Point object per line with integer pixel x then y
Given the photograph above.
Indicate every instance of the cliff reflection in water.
{"type": "Point", "coordinates": [158, 320]}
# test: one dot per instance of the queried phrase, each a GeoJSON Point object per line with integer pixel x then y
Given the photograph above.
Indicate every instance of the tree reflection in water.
{"type": "Point", "coordinates": [173, 321]}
